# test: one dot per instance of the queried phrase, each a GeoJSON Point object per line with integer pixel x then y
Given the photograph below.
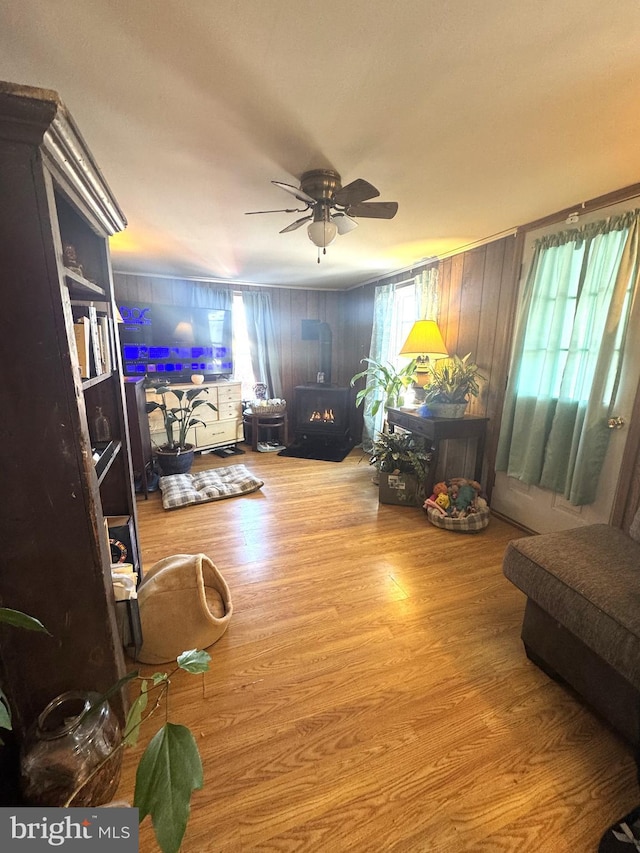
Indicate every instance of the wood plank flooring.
{"type": "Point", "coordinates": [371, 693]}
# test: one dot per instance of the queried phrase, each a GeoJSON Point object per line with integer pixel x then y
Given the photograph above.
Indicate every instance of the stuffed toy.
{"type": "Point", "coordinates": [443, 500]}
{"type": "Point", "coordinates": [465, 497]}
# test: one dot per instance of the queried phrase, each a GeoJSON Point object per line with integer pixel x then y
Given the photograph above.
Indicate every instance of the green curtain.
{"type": "Point", "coordinates": [567, 357]}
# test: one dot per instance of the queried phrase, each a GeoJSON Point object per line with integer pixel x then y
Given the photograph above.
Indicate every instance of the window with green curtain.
{"type": "Point", "coordinates": [567, 357]}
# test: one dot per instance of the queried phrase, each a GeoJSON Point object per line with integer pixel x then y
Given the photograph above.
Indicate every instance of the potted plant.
{"type": "Point", "coordinates": [170, 768]}
{"type": "Point", "coordinates": [452, 381]}
{"type": "Point", "coordinates": [402, 460]}
{"type": "Point", "coordinates": [176, 456]}
{"type": "Point", "coordinates": [385, 384]}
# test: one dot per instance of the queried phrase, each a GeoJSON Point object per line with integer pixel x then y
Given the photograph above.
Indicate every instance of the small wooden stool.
{"type": "Point", "coordinates": [255, 421]}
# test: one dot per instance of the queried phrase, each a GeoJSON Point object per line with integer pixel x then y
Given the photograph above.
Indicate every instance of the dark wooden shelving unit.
{"type": "Point", "coordinates": [57, 559]}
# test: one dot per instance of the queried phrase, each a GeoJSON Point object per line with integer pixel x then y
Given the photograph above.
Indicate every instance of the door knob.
{"type": "Point", "coordinates": [615, 423]}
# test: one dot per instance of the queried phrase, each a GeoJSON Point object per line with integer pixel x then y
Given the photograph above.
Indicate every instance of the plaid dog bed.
{"type": "Point", "coordinates": [469, 524]}
{"type": "Point", "coordinates": [180, 490]}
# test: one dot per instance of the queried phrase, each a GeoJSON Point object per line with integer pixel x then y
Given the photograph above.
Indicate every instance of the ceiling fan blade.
{"type": "Point", "coordinates": [355, 192]}
{"type": "Point", "coordinates": [296, 191]}
{"type": "Point", "coordinates": [296, 224]}
{"type": "Point", "coordinates": [285, 210]}
{"type": "Point", "coordinates": [374, 209]}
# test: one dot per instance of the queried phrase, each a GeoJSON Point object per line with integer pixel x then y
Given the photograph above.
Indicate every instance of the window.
{"type": "Point", "coordinates": [242, 369]}
{"type": "Point", "coordinates": [402, 320]}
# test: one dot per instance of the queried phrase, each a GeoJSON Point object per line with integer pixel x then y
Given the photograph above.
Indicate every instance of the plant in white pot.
{"type": "Point", "coordinates": [452, 381]}
{"type": "Point", "coordinates": [176, 455]}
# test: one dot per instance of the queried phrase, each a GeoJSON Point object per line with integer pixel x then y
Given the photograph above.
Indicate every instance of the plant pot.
{"type": "Point", "coordinates": [175, 461]}
{"type": "Point", "coordinates": [64, 747]}
{"type": "Point", "coordinates": [399, 489]}
{"type": "Point", "coordinates": [447, 410]}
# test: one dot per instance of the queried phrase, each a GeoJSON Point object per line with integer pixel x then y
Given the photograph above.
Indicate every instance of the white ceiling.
{"type": "Point", "coordinates": [474, 115]}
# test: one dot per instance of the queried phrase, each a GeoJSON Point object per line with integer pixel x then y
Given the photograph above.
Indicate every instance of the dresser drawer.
{"type": "Point", "coordinates": [221, 432]}
{"type": "Point", "coordinates": [229, 393]}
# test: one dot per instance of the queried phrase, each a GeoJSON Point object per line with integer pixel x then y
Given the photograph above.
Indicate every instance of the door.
{"type": "Point", "coordinates": [542, 510]}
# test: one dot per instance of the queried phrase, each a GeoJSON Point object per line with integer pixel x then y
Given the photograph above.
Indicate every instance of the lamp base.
{"type": "Point", "coordinates": [421, 378]}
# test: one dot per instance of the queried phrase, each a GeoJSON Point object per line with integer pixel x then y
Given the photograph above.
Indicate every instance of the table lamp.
{"type": "Point", "coordinates": [425, 344]}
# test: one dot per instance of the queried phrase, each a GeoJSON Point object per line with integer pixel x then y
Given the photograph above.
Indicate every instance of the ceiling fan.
{"type": "Point", "coordinates": [331, 208]}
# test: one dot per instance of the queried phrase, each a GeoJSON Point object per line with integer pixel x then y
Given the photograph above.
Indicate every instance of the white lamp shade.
{"type": "Point", "coordinates": [424, 339]}
{"type": "Point", "coordinates": [322, 233]}
{"type": "Point", "coordinates": [344, 223]}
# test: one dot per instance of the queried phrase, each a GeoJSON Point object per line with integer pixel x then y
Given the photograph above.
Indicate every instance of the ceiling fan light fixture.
{"type": "Point", "coordinates": [322, 232]}
{"type": "Point", "coordinates": [344, 223]}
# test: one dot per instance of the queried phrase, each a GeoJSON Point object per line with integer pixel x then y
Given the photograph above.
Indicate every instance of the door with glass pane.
{"type": "Point", "coordinates": [543, 510]}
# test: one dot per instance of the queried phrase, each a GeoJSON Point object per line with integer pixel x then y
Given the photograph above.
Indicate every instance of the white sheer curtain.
{"type": "Point", "coordinates": [265, 353]}
{"type": "Point", "coordinates": [379, 351]}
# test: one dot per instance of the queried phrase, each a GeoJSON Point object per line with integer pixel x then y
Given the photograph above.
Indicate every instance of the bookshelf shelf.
{"type": "Point", "coordinates": [107, 455]}
{"type": "Point", "coordinates": [82, 288]}
{"type": "Point", "coordinates": [97, 380]}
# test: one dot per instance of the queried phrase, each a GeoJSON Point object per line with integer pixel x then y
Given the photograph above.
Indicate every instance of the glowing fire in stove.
{"type": "Point", "coordinates": [326, 417]}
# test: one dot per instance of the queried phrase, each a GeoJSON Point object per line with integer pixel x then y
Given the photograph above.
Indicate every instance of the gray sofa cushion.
{"type": "Point", "coordinates": [588, 579]}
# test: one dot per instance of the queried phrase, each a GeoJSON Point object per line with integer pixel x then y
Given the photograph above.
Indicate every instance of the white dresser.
{"type": "Point", "coordinates": [221, 428]}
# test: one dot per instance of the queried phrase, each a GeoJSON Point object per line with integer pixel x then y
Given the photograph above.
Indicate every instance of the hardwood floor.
{"type": "Point", "coordinates": [372, 693]}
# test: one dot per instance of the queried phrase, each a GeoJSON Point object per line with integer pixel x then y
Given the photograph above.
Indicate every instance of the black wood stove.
{"type": "Point", "coordinates": [321, 413]}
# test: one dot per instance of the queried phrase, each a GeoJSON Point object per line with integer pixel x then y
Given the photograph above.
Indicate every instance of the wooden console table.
{"type": "Point", "coordinates": [436, 430]}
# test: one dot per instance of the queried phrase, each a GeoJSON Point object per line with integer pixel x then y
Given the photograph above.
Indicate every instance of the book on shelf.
{"type": "Point", "coordinates": [96, 351]}
{"type": "Point", "coordinates": [82, 335]}
{"type": "Point", "coordinates": [105, 343]}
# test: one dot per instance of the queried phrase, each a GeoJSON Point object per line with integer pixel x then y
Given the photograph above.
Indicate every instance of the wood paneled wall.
{"type": "Point", "coordinates": [478, 295]}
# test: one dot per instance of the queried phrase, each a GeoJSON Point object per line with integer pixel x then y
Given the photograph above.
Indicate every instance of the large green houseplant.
{"type": "Point", "coordinates": [170, 768]}
{"type": "Point", "coordinates": [176, 455]}
{"type": "Point", "coordinates": [401, 459]}
{"type": "Point", "coordinates": [400, 453]}
{"type": "Point", "coordinates": [384, 384]}
{"type": "Point", "coordinates": [452, 381]}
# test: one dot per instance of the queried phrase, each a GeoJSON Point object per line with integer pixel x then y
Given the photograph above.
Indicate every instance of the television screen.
{"type": "Point", "coordinates": [171, 342]}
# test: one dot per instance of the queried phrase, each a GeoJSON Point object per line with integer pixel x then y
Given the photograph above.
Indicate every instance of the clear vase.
{"type": "Point", "coordinates": [69, 749]}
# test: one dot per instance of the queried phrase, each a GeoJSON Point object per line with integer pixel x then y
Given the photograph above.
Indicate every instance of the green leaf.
{"type": "Point", "coordinates": [134, 717]}
{"type": "Point", "coordinates": [193, 392]}
{"type": "Point", "coordinates": [195, 660]}
{"type": "Point", "coordinates": [169, 771]}
{"type": "Point", "coordinates": [115, 688]}
{"type": "Point", "coordinates": [21, 620]}
{"type": "Point", "coordinates": [5, 712]}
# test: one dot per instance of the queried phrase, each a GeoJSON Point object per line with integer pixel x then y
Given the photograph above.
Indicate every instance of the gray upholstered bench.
{"type": "Point", "coordinates": [582, 616]}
